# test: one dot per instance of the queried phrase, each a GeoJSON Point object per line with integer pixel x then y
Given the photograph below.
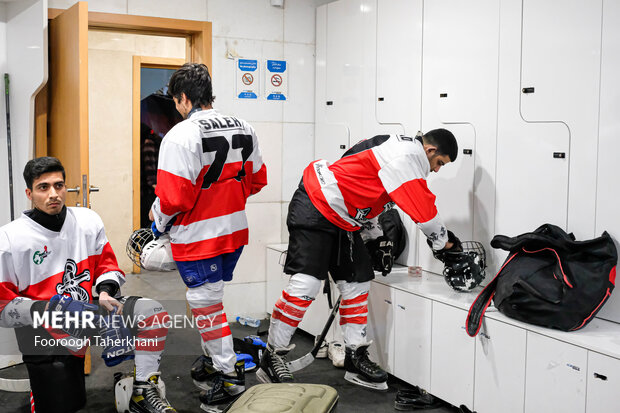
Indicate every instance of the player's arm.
{"type": "Point", "coordinates": [257, 178]}
{"type": "Point", "coordinates": [179, 182]}
{"type": "Point", "coordinates": [108, 276]}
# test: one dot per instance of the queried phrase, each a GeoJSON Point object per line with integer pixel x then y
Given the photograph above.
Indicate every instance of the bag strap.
{"type": "Point", "coordinates": [482, 302]}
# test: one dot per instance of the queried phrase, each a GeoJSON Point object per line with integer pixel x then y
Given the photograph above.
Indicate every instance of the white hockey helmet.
{"type": "Point", "coordinates": [150, 253]}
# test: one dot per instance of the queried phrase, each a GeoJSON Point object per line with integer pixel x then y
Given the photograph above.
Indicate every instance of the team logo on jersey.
{"type": "Point", "coordinates": [361, 213]}
{"type": "Point", "coordinates": [39, 256]}
{"type": "Point", "coordinates": [71, 281]}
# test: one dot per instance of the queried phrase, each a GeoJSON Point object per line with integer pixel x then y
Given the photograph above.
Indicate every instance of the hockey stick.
{"type": "Point", "coordinates": [8, 143]}
{"type": "Point", "coordinates": [306, 360]}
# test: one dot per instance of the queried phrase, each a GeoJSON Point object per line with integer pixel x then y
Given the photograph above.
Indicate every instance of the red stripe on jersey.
{"type": "Point", "coordinates": [289, 309]}
{"type": "Point", "coordinates": [106, 261]}
{"type": "Point", "coordinates": [356, 300]}
{"type": "Point", "coordinates": [180, 193]}
{"type": "Point", "coordinates": [416, 200]}
{"type": "Point", "coordinates": [353, 320]}
{"type": "Point", "coordinates": [296, 300]}
{"type": "Point", "coordinates": [354, 310]}
{"type": "Point", "coordinates": [277, 315]}
{"type": "Point", "coordinates": [215, 334]}
{"type": "Point", "coordinates": [315, 193]}
{"type": "Point", "coordinates": [230, 196]}
{"type": "Point", "coordinates": [210, 247]}
{"type": "Point", "coordinates": [8, 291]}
{"type": "Point", "coordinates": [255, 181]}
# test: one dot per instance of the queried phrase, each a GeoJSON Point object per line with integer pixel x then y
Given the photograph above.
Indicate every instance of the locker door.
{"type": "Point", "coordinates": [608, 190]}
{"type": "Point", "coordinates": [561, 62]}
{"type": "Point", "coordinates": [555, 378]}
{"type": "Point", "coordinates": [381, 325]}
{"type": "Point", "coordinates": [603, 384]}
{"type": "Point", "coordinates": [399, 69]}
{"type": "Point", "coordinates": [344, 66]}
{"type": "Point", "coordinates": [460, 94]}
{"type": "Point", "coordinates": [531, 185]}
{"type": "Point", "coordinates": [500, 368]}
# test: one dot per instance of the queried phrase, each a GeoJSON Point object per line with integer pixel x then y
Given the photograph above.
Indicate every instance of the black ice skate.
{"type": "Point", "coordinates": [203, 372]}
{"type": "Point", "coordinates": [146, 397]}
{"type": "Point", "coordinates": [273, 367]}
{"type": "Point", "coordinates": [226, 387]}
{"type": "Point", "coordinates": [361, 370]}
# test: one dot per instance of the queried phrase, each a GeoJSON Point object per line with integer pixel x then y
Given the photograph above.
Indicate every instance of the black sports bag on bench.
{"type": "Point", "coordinates": [549, 279]}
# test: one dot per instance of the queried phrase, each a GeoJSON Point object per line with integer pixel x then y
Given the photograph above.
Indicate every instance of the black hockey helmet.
{"type": "Point", "coordinates": [464, 270]}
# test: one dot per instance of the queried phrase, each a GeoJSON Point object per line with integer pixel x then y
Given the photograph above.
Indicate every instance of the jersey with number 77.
{"type": "Point", "coordinates": [209, 164]}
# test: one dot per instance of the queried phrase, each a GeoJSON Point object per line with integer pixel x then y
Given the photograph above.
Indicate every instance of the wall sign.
{"type": "Point", "coordinates": [276, 80]}
{"type": "Point", "coordinates": [248, 79]}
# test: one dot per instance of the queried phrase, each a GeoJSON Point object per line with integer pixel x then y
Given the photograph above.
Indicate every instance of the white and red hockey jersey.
{"type": "Point", "coordinates": [374, 175]}
{"type": "Point", "coordinates": [209, 165]}
{"type": "Point", "coordinates": [37, 263]}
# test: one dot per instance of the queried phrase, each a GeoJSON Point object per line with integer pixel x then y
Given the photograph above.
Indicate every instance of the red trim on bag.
{"type": "Point", "coordinates": [488, 302]}
{"type": "Point", "coordinates": [612, 275]}
{"type": "Point", "coordinates": [559, 262]}
{"type": "Point", "coordinates": [593, 312]}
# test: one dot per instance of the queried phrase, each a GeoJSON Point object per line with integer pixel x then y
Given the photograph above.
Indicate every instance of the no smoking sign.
{"type": "Point", "coordinates": [277, 87]}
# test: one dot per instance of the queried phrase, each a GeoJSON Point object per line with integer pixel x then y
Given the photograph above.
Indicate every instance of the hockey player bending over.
{"type": "Point", "coordinates": [50, 258]}
{"type": "Point", "coordinates": [209, 164]}
{"type": "Point", "coordinates": [328, 209]}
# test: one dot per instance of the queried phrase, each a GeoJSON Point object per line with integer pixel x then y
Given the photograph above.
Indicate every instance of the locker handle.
{"type": "Point", "coordinates": [443, 95]}
{"type": "Point", "coordinates": [528, 90]}
{"type": "Point", "coordinates": [380, 99]}
{"type": "Point", "coordinates": [401, 306]}
{"type": "Point", "coordinates": [559, 155]}
{"type": "Point", "coordinates": [329, 102]}
{"type": "Point", "coordinates": [468, 151]}
{"type": "Point", "coordinates": [343, 147]}
{"type": "Point", "coordinates": [600, 376]}
{"type": "Point", "coordinates": [387, 301]}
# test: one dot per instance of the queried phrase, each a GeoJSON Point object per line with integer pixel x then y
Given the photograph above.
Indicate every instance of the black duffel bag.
{"type": "Point", "coordinates": [549, 279]}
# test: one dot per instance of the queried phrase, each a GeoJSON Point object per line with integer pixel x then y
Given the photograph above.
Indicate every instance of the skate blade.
{"type": "Point", "coordinates": [356, 379]}
{"type": "Point", "coordinates": [210, 409]}
{"type": "Point", "coordinates": [262, 376]}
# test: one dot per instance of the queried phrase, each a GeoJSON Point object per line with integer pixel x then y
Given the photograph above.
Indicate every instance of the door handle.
{"type": "Point", "coordinates": [93, 189]}
{"type": "Point", "coordinates": [76, 189]}
{"type": "Point", "coordinates": [387, 301]}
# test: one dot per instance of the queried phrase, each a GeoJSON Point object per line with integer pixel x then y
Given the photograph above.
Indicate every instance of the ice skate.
{"type": "Point", "coordinates": [226, 387]}
{"type": "Point", "coordinates": [146, 397]}
{"type": "Point", "coordinates": [361, 370]}
{"type": "Point", "coordinates": [273, 367]}
{"type": "Point", "coordinates": [203, 372]}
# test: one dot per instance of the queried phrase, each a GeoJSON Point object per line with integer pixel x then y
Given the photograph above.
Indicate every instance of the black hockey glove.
{"type": "Point", "coordinates": [456, 247]}
{"type": "Point", "coordinates": [380, 250]}
{"type": "Point", "coordinates": [76, 318]}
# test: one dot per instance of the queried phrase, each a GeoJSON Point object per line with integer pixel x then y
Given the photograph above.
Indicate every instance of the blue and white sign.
{"type": "Point", "coordinates": [248, 79]}
{"type": "Point", "coordinates": [276, 82]}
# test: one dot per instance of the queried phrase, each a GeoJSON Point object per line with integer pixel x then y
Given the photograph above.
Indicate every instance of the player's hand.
{"type": "Point", "coordinates": [453, 245]}
{"type": "Point", "coordinates": [151, 217]}
{"type": "Point", "coordinates": [110, 303]}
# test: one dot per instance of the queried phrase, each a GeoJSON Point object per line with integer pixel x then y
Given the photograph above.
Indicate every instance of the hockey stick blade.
{"type": "Point", "coordinates": [305, 361]}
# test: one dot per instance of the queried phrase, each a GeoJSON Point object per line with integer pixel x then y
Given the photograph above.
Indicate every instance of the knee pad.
{"type": "Point", "coordinates": [205, 294]}
{"type": "Point", "coordinates": [351, 290]}
{"type": "Point", "coordinates": [303, 285]}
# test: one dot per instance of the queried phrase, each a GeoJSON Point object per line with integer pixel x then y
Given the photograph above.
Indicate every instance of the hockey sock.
{"type": "Point", "coordinates": [206, 304]}
{"type": "Point", "coordinates": [354, 311]}
{"type": "Point", "coordinates": [290, 308]}
{"type": "Point", "coordinates": [150, 337]}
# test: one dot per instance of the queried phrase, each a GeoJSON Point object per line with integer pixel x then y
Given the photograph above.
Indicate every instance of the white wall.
{"type": "Point", "coordinates": [4, 179]}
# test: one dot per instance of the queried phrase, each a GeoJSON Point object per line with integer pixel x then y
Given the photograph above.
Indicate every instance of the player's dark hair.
{"type": "Point", "coordinates": [194, 80]}
{"type": "Point", "coordinates": [445, 142]}
{"type": "Point", "coordinates": [38, 166]}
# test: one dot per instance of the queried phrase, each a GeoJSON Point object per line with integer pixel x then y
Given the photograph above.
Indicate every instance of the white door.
{"type": "Point", "coordinates": [555, 378]}
{"type": "Point", "coordinates": [603, 384]}
{"type": "Point", "coordinates": [412, 338]}
{"type": "Point", "coordinates": [561, 62]}
{"type": "Point", "coordinates": [381, 325]}
{"type": "Point", "coordinates": [500, 368]}
{"type": "Point", "coordinates": [452, 358]}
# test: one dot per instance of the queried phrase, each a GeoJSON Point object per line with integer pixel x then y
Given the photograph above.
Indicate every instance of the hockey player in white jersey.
{"type": "Point", "coordinates": [333, 202]}
{"type": "Point", "coordinates": [50, 259]}
{"type": "Point", "coordinates": [209, 164]}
